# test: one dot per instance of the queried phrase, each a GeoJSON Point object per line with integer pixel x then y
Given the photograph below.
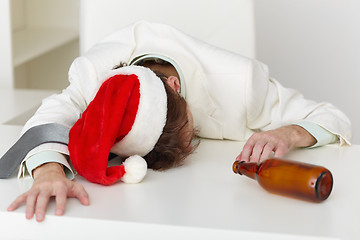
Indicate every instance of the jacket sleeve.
{"type": "Point", "coordinates": [85, 77]}
{"type": "Point", "coordinates": [270, 105]}
{"type": "Point", "coordinates": [65, 109]}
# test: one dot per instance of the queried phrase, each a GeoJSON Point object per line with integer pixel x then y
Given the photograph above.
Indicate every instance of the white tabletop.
{"type": "Point", "coordinates": [202, 199]}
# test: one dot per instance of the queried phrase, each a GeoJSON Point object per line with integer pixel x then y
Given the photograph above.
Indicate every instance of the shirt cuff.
{"type": "Point", "coordinates": [46, 157]}
{"type": "Point", "coordinates": [321, 135]}
{"type": "Point", "coordinates": [54, 147]}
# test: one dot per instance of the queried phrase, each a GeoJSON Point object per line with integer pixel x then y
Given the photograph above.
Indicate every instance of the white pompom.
{"type": "Point", "coordinates": [135, 168]}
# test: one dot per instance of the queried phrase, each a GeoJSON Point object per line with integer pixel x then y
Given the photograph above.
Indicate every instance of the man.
{"type": "Point", "coordinates": [229, 96]}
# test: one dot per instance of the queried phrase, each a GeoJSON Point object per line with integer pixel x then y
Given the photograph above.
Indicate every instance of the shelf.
{"type": "Point", "coordinates": [33, 42]}
{"type": "Point", "coordinates": [17, 105]}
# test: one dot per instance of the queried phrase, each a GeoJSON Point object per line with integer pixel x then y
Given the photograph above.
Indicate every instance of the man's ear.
{"type": "Point", "coordinates": [174, 83]}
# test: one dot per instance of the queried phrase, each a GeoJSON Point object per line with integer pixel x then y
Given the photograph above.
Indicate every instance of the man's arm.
{"type": "Point", "coordinates": [283, 119]}
{"type": "Point", "coordinates": [282, 140]}
{"type": "Point", "coordinates": [270, 106]}
{"type": "Point", "coordinates": [49, 178]}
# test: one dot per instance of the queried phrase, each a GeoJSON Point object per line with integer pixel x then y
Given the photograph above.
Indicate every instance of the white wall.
{"type": "Point", "coordinates": [314, 46]}
{"type": "Point", "coordinates": [57, 22]}
{"type": "Point", "coordinates": [6, 73]}
{"type": "Point", "coordinates": [209, 20]}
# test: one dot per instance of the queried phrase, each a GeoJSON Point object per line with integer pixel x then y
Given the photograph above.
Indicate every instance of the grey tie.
{"type": "Point", "coordinates": [35, 136]}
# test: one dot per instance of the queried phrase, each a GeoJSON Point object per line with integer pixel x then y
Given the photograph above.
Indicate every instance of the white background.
{"type": "Point", "coordinates": [313, 46]}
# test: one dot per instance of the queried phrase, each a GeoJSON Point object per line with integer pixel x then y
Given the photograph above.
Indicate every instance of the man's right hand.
{"type": "Point", "coordinates": [49, 181]}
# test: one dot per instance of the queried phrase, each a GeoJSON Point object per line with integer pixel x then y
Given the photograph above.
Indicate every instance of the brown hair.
{"type": "Point", "coordinates": [173, 145]}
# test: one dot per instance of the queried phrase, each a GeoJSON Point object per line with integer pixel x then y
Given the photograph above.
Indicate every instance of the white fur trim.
{"type": "Point", "coordinates": [135, 168]}
{"type": "Point", "coordinates": [151, 115]}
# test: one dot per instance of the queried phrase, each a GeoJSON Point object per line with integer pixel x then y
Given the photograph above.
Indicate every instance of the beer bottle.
{"type": "Point", "coordinates": [289, 178]}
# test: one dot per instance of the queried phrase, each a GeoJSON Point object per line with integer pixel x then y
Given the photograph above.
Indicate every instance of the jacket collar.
{"type": "Point", "coordinates": [194, 84]}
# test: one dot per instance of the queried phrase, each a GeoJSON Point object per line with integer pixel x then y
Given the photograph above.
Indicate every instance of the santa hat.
{"type": "Point", "coordinates": [126, 117]}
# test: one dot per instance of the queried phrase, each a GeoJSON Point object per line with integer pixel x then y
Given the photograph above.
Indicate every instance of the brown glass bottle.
{"type": "Point", "coordinates": [289, 178]}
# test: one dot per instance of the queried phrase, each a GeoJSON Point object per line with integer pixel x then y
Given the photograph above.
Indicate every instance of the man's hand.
{"type": "Point", "coordinates": [280, 141]}
{"type": "Point", "coordinates": [49, 181]}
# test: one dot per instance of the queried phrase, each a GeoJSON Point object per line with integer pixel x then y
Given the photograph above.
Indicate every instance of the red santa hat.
{"type": "Point", "coordinates": [126, 117]}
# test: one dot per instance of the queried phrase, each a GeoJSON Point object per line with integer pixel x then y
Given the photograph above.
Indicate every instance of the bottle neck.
{"type": "Point", "coordinates": [248, 169]}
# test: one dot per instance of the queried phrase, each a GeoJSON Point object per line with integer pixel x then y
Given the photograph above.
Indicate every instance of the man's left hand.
{"type": "Point", "coordinates": [278, 141]}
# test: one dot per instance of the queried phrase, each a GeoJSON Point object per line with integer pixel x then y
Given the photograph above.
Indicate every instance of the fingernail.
{"type": "Point", "coordinates": [29, 215]}
{"type": "Point", "coordinates": [39, 217]}
{"type": "Point", "coordinates": [58, 212]}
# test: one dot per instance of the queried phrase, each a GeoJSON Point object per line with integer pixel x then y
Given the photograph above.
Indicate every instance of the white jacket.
{"type": "Point", "coordinates": [229, 95]}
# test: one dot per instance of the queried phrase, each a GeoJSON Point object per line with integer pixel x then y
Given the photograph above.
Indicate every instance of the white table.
{"type": "Point", "coordinates": [203, 199]}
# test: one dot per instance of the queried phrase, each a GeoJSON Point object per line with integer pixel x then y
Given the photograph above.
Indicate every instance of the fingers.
{"type": "Point", "coordinates": [257, 152]}
{"type": "Point", "coordinates": [80, 193]}
{"type": "Point", "coordinates": [18, 202]}
{"type": "Point", "coordinates": [280, 151]}
{"type": "Point", "coordinates": [247, 151]}
{"type": "Point", "coordinates": [257, 148]}
{"type": "Point", "coordinates": [32, 201]}
{"type": "Point", "coordinates": [267, 151]}
{"type": "Point", "coordinates": [260, 152]}
{"type": "Point", "coordinates": [260, 146]}
{"type": "Point", "coordinates": [74, 190]}
{"type": "Point", "coordinates": [38, 197]}
{"type": "Point", "coordinates": [41, 202]}
{"type": "Point", "coordinates": [60, 199]}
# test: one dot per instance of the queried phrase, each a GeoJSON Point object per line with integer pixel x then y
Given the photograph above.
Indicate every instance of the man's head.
{"type": "Point", "coordinates": [175, 143]}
